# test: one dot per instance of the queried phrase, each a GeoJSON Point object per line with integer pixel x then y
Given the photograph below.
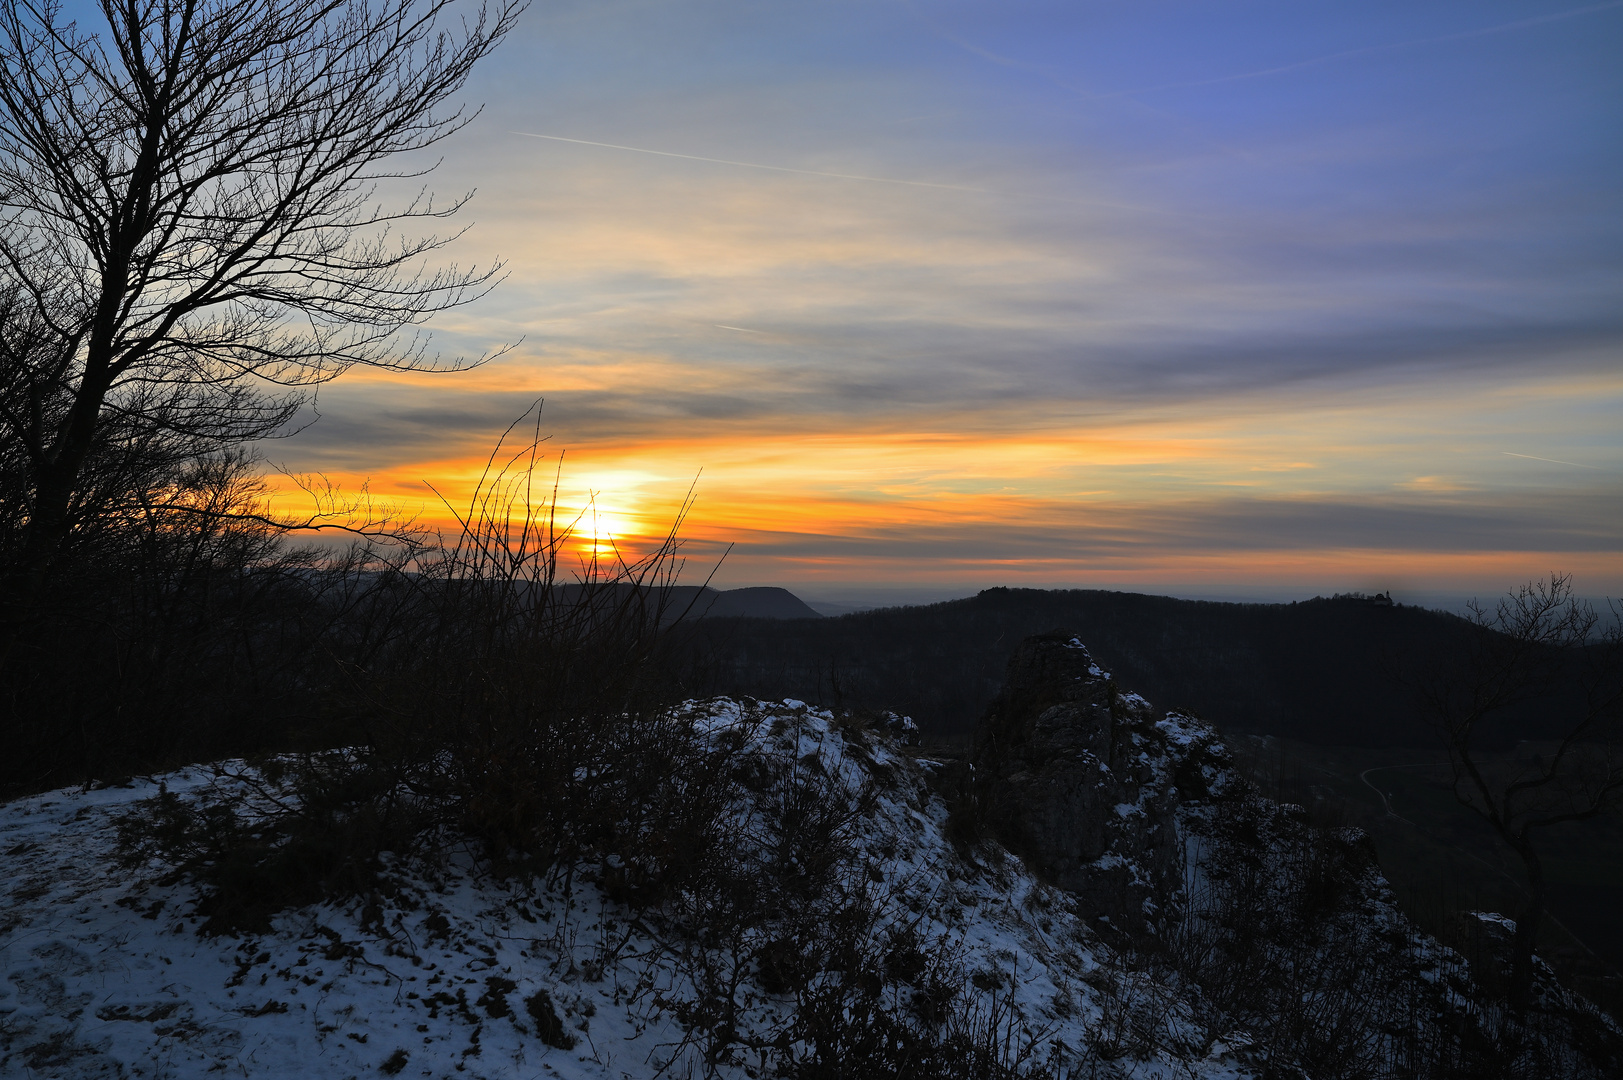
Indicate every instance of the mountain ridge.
{"type": "Point", "coordinates": [1325, 670]}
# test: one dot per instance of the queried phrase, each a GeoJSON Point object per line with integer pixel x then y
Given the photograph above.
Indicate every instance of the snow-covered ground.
{"type": "Point", "coordinates": [106, 975]}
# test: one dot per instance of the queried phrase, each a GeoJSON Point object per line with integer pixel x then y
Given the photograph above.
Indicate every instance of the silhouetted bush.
{"type": "Point", "coordinates": [290, 831]}
{"type": "Point", "coordinates": [478, 693]}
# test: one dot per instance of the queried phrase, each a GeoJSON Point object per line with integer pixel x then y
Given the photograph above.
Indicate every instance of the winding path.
{"type": "Point", "coordinates": [1385, 805]}
{"type": "Point", "coordinates": [1500, 870]}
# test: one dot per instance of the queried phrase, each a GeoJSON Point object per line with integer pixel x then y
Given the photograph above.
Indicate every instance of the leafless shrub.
{"type": "Point", "coordinates": [485, 689]}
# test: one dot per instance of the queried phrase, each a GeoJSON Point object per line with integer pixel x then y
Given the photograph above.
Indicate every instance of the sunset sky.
{"type": "Point", "coordinates": [1215, 298]}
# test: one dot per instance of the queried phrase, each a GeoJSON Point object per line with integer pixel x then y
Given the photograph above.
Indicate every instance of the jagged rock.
{"type": "Point", "coordinates": [1486, 940]}
{"type": "Point", "coordinates": [1077, 777]}
{"type": "Point", "coordinates": [901, 728]}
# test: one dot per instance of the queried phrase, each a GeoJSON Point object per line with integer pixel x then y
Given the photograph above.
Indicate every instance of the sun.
{"type": "Point", "coordinates": [601, 531]}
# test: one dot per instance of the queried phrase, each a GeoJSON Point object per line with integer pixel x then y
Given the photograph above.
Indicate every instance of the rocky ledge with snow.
{"type": "Point", "coordinates": [1042, 910]}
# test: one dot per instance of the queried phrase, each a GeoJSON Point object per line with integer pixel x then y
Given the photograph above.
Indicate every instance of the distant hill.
{"type": "Point", "coordinates": [758, 603]}
{"type": "Point", "coordinates": [1319, 670]}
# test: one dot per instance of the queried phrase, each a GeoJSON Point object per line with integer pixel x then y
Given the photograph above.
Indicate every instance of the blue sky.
{"type": "Point", "coordinates": [1173, 295]}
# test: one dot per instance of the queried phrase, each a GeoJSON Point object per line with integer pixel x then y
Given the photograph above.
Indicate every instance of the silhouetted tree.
{"type": "Point", "coordinates": [190, 227]}
{"type": "Point", "coordinates": [1539, 647]}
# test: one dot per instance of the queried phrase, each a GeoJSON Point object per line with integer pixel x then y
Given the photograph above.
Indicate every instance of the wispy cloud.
{"type": "Point", "coordinates": [758, 165]}
{"type": "Point", "coordinates": [937, 185]}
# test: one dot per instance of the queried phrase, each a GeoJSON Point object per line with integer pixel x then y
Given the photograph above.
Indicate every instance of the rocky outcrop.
{"type": "Point", "coordinates": [1077, 776]}
{"type": "Point", "coordinates": [1280, 923]}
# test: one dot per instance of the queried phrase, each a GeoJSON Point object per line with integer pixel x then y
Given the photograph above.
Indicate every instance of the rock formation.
{"type": "Point", "coordinates": [1079, 778]}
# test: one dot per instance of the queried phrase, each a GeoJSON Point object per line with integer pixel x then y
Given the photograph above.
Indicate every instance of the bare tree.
{"type": "Point", "coordinates": [190, 228]}
{"type": "Point", "coordinates": [1540, 650]}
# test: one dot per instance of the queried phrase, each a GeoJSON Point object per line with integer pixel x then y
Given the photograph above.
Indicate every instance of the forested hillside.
{"type": "Point", "coordinates": [1323, 670]}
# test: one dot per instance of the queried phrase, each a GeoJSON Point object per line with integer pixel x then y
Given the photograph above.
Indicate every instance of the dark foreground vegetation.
{"type": "Point", "coordinates": [183, 624]}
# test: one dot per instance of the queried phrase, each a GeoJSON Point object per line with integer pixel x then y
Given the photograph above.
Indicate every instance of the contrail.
{"type": "Point", "coordinates": [1042, 70]}
{"type": "Point", "coordinates": [1369, 49]}
{"type": "Point", "coordinates": [777, 168]}
{"type": "Point", "coordinates": [845, 176]}
{"type": "Point", "coordinates": [1551, 460]}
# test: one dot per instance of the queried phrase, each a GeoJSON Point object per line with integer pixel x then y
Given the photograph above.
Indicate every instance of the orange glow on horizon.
{"type": "Point", "coordinates": [947, 506]}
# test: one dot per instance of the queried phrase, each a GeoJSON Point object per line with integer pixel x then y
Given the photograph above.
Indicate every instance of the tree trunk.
{"type": "Point", "coordinates": [1527, 924]}
{"type": "Point", "coordinates": [57, 479]}
{"type": "Point", "coordinates": [47, 526]}
{"type": "Point", "coordinates": [54, 487]}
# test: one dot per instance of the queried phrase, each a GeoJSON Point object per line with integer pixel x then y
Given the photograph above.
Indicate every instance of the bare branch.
{"type": "Point", "coordinates": [1537, 650]}
{"type": "Point", "coordinates": [188, 200]}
